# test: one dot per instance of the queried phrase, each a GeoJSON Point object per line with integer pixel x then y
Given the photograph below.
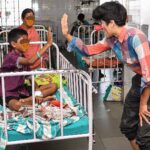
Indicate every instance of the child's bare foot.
{"type": "Point", "coordinates": [14, 104]}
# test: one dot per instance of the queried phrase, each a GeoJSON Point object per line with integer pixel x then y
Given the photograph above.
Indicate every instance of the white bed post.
{"type": "Point", "coordinates": [90, 111]}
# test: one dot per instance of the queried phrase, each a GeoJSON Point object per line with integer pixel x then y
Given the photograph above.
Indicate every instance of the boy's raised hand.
{"type": "Point", "coordinates": [49, 36]}
{"type": "Point", "coordinates": [64, 24]}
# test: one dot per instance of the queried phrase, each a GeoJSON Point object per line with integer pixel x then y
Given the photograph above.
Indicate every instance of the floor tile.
{"type": "Point", "coordinates": [116, 143]}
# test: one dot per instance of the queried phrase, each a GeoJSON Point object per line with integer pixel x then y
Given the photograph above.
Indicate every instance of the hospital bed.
{"type": "Point", "coordinates": [77, 93]}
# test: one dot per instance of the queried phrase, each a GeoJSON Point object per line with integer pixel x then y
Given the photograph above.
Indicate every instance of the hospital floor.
{"type": "Point", "coordinates": [106, 125]}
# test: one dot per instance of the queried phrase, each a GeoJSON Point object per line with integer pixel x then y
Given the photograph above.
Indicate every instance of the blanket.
{"type": "Point", "coordinates": [47, 123]}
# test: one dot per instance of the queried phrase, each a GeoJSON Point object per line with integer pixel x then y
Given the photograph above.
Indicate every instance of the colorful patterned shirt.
{"type": "Point", "coordinates": [131, 48]}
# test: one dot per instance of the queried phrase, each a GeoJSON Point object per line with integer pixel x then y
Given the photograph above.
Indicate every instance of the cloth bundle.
{"type": "Point", "coordinates": [45, 79]}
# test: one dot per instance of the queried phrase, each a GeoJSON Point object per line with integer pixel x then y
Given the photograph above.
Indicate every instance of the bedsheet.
{"type": "Point", "coordinates": [20, 128]}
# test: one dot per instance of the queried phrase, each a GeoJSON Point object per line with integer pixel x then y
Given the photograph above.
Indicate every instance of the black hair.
{"type": "Point", "coordinates": [111, 11]}
{"type": "Point", "coordinates": [25, 11]}
{"type": "Point", "coordinates": [81, 17]}
{"type": "Point", "coordinates": [15, 34]}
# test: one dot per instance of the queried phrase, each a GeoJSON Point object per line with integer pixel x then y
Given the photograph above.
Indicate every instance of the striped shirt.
{"type": "Point", "coordinates": [131, 48]}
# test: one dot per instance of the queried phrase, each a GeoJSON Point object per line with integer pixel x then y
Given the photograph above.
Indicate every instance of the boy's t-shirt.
{"type": "Point", "coordinates": [14, 85]}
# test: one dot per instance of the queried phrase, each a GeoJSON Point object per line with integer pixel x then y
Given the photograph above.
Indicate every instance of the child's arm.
{"type": "Point", "coordinates": [143, 111]}
{"type": "Point", "coordinates": [26, 61]}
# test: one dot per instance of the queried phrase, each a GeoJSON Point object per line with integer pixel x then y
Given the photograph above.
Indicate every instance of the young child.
{"type": "Point", "coordinates": [16, 92]}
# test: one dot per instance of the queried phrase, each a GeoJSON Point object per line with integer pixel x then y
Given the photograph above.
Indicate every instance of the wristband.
{"type": "Point", "coordinates": [38, 93]}
{"type": "Point", "coordinates": [38, 55]}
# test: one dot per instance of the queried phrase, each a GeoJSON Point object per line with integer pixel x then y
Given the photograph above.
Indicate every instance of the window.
{"type": "Point", "coordinates": [10, 11]}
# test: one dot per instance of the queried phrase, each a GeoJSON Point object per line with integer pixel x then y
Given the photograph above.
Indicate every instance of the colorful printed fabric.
{"type": "Point", "coordinates": [50, 111]}
{"type": "Point", "coordinates": [49, 78]}
{"type": "Point", "coordinates": [132, 48]}
{"type": "Point", "coordinates": [45, 128]}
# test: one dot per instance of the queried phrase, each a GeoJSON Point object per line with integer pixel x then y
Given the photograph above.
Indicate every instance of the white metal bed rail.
{"type": "Point", "coordinates": [5, 46]}
{"type": "Point", "coordinates": [4, 36]}
{"type": "Point", "coordinates": [39, 28]}
{"type": "Point", "coordinates": [102, 62]}
{"type": "Point", "coordinates": [43, 34]}
{"type": "Point", "coordinates": [80, 86]}
{"type": "Point", "coordinates": [96, 36]}
{"type": "Point", "coordinates": [88, 35]}
{"type": "Point", "coordinates": [84, 33]}
{"type": "Point", "coordinates": [61, 61]}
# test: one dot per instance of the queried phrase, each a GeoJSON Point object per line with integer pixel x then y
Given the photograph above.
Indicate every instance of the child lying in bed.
{"type": "Point", "coordinates": [16, 93]}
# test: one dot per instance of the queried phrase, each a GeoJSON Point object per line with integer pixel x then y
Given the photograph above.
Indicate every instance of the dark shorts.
{"type": "Point", "coordinates": [29, 89]}
{"type": "Point", "coordinates": [130, 118]}
{"type": "Point", "coordinates": [8, 99]}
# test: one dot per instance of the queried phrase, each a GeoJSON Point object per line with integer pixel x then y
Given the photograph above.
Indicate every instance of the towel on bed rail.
{"type": "Point", "coordinates": [44, 128]}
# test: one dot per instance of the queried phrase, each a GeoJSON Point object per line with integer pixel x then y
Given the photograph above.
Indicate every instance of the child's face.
{"type": "Point", "coordinates": [22, 44]}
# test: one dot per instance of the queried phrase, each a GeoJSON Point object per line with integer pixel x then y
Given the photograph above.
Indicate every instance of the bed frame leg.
{"type": "Point", "coordinates": [90, 143]}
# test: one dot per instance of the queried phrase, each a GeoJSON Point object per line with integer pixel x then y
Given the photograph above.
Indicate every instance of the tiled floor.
{"type": "Point", "coordinates": [106, 120]}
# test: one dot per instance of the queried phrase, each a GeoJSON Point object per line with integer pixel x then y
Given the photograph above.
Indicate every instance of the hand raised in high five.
{"type": "Point", "coordinates": [64, 27]}
{"type": "Point", "coordinates": [64, 24]}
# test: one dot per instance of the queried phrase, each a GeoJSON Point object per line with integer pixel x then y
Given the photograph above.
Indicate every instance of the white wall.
{"type": "Point", "coordinates": [51, 11]}
{"type": "Point", "coordinates": [145, 14]}
{"type": "Point", "coordinates": [121, 1]}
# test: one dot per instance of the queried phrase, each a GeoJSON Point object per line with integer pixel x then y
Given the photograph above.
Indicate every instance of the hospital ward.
{"type": "Point", "coordinates": [74, 75]}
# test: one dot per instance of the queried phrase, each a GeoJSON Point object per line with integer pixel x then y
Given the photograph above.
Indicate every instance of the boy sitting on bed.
{"type": "Point", "coordinates": [16, 93]}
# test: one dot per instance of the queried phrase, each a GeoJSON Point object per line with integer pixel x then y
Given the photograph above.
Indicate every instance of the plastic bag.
{"type": "Point", "coordinates": [113, 93]}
